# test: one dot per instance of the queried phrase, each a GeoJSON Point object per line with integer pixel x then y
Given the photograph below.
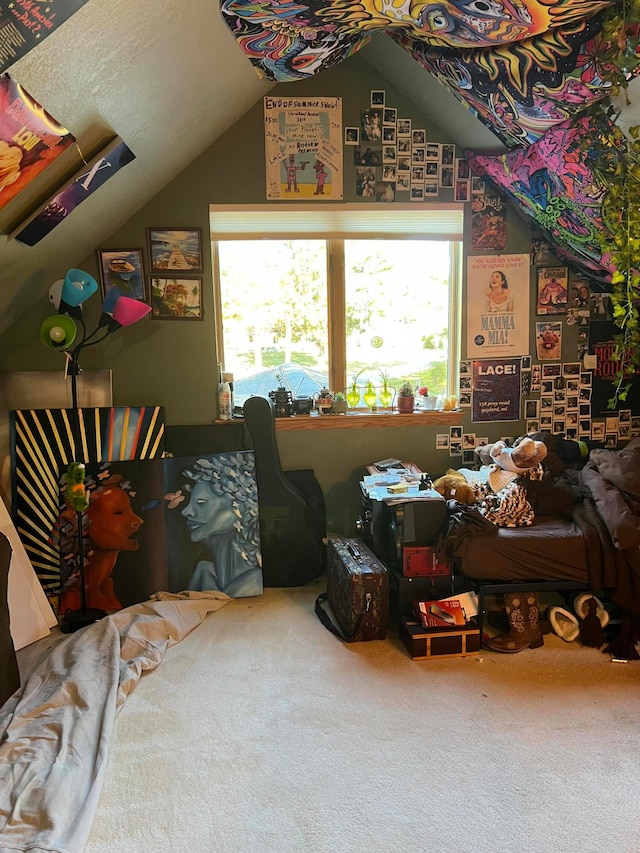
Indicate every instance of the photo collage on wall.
{"type": "Point", "coordinates": [395, 160]}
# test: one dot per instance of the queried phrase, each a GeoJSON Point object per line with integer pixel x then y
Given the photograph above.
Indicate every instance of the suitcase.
{"type": "Point", "coordinates": [357, 592]}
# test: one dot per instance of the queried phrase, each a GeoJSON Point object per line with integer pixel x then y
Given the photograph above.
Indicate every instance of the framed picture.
{"type": "Point", "coordinates": [175, 250]}
{"type": "Point", "coordinates": [124, 269]}
{"type": "Point", "coordinates": [176, 298]}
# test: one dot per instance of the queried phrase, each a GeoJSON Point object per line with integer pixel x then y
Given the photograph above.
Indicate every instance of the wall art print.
{"type": "Point", "coordinates": [122, 269]}
{"type": "Point", "coordinates": [25, 25]}
{"type": "Point", "coordinates": [176, 523]}
{"type": "Point", "coordinates": [496, 389]}
{"type": "Point", "coordinates": [497, 305]}
{"type": "Point", "coordinates": [175, 250]}
{"type": "Point", "coordinates": [176, 298]}
{"type": "Point", "coordinates": [43, 442]}
{"type": "Point", "coordinates": [30, 139]}
{"type": "Point", "coordinates": [100, 169]}
{"type": "Point", "coordinates": [303, 148]}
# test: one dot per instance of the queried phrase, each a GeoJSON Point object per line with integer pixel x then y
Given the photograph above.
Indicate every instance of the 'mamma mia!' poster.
{"type": "Point", "coordinates": [497, 305]}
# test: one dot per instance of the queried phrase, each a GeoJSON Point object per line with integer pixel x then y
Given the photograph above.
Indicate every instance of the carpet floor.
{"type": "Point", "coordinates": [263, 732]}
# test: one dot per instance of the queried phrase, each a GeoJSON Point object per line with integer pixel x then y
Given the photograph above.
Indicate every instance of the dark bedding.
{"type": "Point", "coordinates": [586, 528]}
{"type": "Point", "coordinates": [550, 549]}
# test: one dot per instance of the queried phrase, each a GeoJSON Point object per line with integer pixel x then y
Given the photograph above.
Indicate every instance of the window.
{"type": "Point", "coordinates": [303, 301]}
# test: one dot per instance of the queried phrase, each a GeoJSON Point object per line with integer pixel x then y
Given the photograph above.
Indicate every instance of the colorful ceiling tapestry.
{"type": "Point", "coordinates": [520, 66]}
{"type": "Point", "coordinates": [522, 89]}
{"type": "Point", "coordinates": [552, 182]}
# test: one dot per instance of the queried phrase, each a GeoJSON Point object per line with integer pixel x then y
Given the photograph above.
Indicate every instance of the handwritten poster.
{"type": "Point", "coordinates": [497, 305]}
{"type": "Point", "coordinates": [25, 24]}
{"type": "Point", "coordinates": [496, 389]}
{"type": "Point", "coordinates": [303, 148]}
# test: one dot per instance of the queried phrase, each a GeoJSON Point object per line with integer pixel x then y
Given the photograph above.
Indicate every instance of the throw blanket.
{"type": "Point", "coordinates": [56, 730]}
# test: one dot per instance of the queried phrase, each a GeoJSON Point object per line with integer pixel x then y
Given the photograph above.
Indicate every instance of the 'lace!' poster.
{"type": "Point", "coordinates": [497, 305]}
{"type": "Point", "coordinates": [303, 146]}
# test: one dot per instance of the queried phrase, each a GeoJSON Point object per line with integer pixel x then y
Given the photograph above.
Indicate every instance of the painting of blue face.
{"type": "Point", "coordinates": [207, 513]}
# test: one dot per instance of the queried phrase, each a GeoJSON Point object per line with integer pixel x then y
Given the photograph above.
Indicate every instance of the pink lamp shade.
{"type": "Point", "coordinates": [127, 311]}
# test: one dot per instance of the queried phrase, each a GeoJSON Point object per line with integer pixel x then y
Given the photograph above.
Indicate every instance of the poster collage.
{"type": "Point", "coordinates": [500, 384]}
{"type": "Point", "coordinates": [395, 161]}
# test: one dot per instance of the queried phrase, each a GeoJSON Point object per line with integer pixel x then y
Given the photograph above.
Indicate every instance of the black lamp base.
{"type": "Point", "coordinates": [76, 619]}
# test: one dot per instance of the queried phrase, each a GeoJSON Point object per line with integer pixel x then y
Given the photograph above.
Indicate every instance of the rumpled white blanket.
{"type": "Point", "coordinates": [56, 730]}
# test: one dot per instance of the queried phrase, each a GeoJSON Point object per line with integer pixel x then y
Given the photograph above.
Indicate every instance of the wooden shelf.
{"type": "Point", "coordinates": [363, 420]}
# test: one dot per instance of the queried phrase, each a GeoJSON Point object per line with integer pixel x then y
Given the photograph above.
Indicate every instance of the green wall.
{"type": "Point", "coordinates": [175, 364]}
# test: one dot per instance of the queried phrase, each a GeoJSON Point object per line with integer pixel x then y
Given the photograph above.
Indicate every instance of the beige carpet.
{"type": "Point", "coordinates": [262, 732]}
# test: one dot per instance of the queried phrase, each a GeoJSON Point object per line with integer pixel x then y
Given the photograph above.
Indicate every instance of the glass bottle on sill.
{"type": "Point", "coordinates": [370, 395]}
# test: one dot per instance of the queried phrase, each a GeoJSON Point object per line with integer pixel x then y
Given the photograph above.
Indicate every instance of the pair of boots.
{"type": "Point", "coordinates": [523, 613]}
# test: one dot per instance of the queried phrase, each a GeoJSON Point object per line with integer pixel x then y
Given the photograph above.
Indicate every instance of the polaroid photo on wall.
{"type": "Point", "coordinates": [545, 421]}
{"type": "Point", "coordinates": [624, 432]}
{"type": "Point", "coordinates": [546, 386]}
{"type": "Point", "coordinates": [624, 416]}
{"type": "Point", "coordinates": [584, 410]}
{"type": "Point", "coordinates": [546, 403]}
{"type": "Point", "coordinates": [462, 170]}
{"type": "Point", "coordinates": [558, 427]}
{"type": "Point", "coordinates": [442, 441]}
{"type": "Point", "coordinates": [551, 370]}
{"type": "Point", "coordinates": [417, 192]}
{"type": "Point", "coordinates": [455, 447]}
{"type": "Point", "coordinates": [468, 457]}
{"type": "Point", "coordinates": [525, 362]}
{"type": "Point", "coordinates": [597, 430]}
{"type": "Point", "coordinates": [431, 188]}
{"type": "Point", "coordinates": [403, 182]}
{"type": "Point", "coordinates": [446, 176]}
{"type": "Point", "coordinates": [584, 425]}
{"type": "Point", "coordinates": [377, 97]}
{"type": "Point", "coordinates": [461, 191]}
{"type": "Point", "coordinates": [532, 410]}
{"type": "Point", "coordinates": [432, 151]}
{"type": "Point", "coordinates": [572, 433]}
{"type": "Point", "coordinates": [465, 399]}
{"type": "Point", "coordinates": [573, 386]}
{"type": "Point", "coordinates": [419, 137]}
{"type": "Point", "coordinates": [611, 440]}
{"type": "Point", "coordinates": [389, 133]}
{"type": "Point", "coordinates": [448, 155]}
{"type": "Point", "coordinates": [586, 377]}
{"type": "Point", "coordinates": [468, 440]}
{"type": "Point", "coordinates": [352, 136]}
{"type": "Point", "coordinates": [533, 426]}
{"type": "Point", "coordinates": [404, 127]}
{"type": "Point", "coordinates": [477, 185]}
{"type": "Point", "coordinates": [390, 116]}
{"type": "Point", "coordinates": [571, 368]}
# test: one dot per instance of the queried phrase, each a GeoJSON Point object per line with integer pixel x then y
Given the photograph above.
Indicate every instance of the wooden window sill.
{"type": "Point", "coordinates": [359, 420]}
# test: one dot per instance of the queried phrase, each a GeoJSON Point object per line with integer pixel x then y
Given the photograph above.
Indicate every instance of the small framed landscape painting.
{"type": "Point", "coordinates": [176, 298]}
{"type": "Point", "coordinates": [124, 269]}
{"type": "Point", "coordinates": [176, 250]}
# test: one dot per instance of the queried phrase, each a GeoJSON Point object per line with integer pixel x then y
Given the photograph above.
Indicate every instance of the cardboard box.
{"type": "Point", "coordinates": [436, 643]}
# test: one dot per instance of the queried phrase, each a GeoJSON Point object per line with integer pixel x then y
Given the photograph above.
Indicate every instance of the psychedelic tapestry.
{"type": "Point", "coordinates": [520, 67]}
{"type": "Point", "coordinates": [45, 441]}
{"type": "Point", "coordinates": [553, 183]}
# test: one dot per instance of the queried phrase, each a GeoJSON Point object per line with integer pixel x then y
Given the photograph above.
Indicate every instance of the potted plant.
{"type": "Point", "coordinates": [426, 401]}
{"type": "Point", "coordinates": [406, 398]}
{"type": "Point", "coordinates": [340, 405]}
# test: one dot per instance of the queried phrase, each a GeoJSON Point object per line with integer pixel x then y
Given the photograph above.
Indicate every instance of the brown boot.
{"type": "Point", "coordinates": [523, 612]}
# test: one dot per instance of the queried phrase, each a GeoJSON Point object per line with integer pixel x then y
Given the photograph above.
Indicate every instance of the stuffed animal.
{"type": "Point", "coordinates": [453, 486]}
{"type": "Point", "coordinates": [524, 456]}
{"type": "Point", "coordinates": [482, 451]}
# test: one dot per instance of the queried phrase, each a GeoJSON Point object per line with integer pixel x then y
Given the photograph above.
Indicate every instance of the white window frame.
{"type": "Point", "coordinates": [336, 223]}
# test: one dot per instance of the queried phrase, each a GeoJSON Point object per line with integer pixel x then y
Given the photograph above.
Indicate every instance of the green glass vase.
{"type": "Point", "coordinates": [353, 396]}
{"type": "Point", "coordinates": [386, 396]}
{"type": "Point", "coordinates": [370, 395]}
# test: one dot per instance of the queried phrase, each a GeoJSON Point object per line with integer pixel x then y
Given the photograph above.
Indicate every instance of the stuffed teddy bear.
{"type": "Point", "coordinates": [524, 456]}
{"type": "Point", "coordinates": [453, 486]}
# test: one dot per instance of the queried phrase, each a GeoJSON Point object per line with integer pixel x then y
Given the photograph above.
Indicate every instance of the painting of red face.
{"type": "Point", "coordinates": [113, 524]}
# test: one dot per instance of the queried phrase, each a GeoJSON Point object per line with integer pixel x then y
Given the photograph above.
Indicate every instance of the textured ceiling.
{"type": "Point", "coordinates": [166, 77]}
{"type": "Point", "coordinates": [169, 79]}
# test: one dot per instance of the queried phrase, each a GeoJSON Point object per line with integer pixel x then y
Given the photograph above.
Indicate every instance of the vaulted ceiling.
{"type": "Point", "coordinates": [168, 78]}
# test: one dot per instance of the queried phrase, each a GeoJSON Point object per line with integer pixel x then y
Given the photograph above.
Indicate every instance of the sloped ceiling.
{"type": "Point", "coordinates": [166, 77]}
{"type": "Point", "coordinates": [169, 79]}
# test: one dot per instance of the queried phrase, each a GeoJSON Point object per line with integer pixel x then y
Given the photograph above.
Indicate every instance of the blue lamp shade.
{"type": "Point", "coordinates": [58, 331]}
{"type": "Point", "coordinates": [127, 311]}
{"type": "Point", "coordinates": [77, 287]}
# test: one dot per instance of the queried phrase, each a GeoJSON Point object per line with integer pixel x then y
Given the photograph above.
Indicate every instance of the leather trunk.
{"type": "Point", "coordinates": [357, 590]}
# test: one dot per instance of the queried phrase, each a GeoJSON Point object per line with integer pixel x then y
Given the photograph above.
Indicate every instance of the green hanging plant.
{"type": "Point", "coordinates": [616, 163]}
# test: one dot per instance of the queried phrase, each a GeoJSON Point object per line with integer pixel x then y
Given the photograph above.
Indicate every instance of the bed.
{"type": "Point", "coordinates": [585, 529]}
